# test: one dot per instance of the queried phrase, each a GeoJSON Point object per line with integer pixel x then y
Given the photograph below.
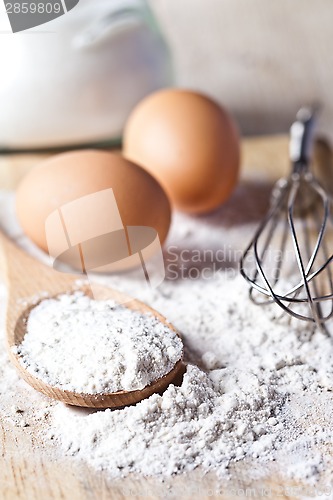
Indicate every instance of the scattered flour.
{"type": "Point", "coordinates": [244, 367]}
{"type": "Point", "coordinates": [202, 422]}
{"type": "Point", "coordinates": [256, 388]}
{"type": "Point", "coordinates": [97, 347]}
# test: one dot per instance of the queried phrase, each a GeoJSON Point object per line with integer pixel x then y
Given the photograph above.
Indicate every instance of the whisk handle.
{"type": "Point", "coordinates": [302, 138]}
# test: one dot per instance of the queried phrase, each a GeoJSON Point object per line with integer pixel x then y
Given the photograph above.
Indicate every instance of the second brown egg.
{"type": "Point", "coordinates": [189, 143]}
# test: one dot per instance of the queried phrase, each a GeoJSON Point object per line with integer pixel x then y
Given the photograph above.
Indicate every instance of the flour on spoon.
{"type": "Point", "coordinates": [97, 347]}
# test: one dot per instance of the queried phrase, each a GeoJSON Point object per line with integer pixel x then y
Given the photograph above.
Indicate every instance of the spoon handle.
{"type": "Point", "coordinates": [14, 260]}
{"type": "Point", "coordinates": [25, 276]}
{"type": "Point", "coordinates": [22, 272]}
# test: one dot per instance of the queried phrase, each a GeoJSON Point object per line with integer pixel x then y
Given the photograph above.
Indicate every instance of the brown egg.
{"type": "Point", "coordinates": [189, 143]}
{"type": "Point", "coordinates": [52, 185]}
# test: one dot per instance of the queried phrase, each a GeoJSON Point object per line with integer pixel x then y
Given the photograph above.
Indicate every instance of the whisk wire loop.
{"type": "Point", "coordinates": [288, 261]}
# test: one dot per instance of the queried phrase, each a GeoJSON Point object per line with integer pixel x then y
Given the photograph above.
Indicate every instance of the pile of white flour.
{"type": "Point", "coordinates": [233, 402]}
{"type": "Point", "coordinates": [83, 345]}
{"type": "Point", "coordinates": [255, 388]}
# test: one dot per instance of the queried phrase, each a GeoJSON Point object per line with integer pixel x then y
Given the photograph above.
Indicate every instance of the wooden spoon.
{"type": "Point", "coordinates": [29, 282]}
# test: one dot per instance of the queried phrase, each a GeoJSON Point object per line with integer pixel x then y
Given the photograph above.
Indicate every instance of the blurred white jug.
{"type": "Point", "coordinates": [75, 79]}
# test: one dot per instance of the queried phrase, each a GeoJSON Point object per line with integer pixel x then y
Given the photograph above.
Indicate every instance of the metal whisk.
{"type": "Point", "coordinates": [289, 260]}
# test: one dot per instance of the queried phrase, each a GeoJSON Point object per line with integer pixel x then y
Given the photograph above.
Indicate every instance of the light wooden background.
{"type": "Point", "coordinates": [261, 58]}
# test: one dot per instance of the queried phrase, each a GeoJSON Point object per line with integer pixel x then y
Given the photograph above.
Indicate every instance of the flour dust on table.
{"type": "Point", "coordinates": [233, 402]}
{"type": "Point", "coordinates": [255, 389]}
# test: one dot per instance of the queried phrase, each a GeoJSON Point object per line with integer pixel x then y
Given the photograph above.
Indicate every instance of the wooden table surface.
{"type": "Point", "coordinates": [27, 472]}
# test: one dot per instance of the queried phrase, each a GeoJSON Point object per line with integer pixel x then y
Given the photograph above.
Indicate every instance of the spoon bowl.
{"type": "Point", "coordinates": [29, 282]}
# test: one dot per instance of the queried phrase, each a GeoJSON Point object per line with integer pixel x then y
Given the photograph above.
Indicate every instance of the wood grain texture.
{"type": "Point", "coordinates": [28, 470]}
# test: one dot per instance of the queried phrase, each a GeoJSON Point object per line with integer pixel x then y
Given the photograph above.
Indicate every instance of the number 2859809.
{"type": "Point", "coordinates": [33, 8]}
